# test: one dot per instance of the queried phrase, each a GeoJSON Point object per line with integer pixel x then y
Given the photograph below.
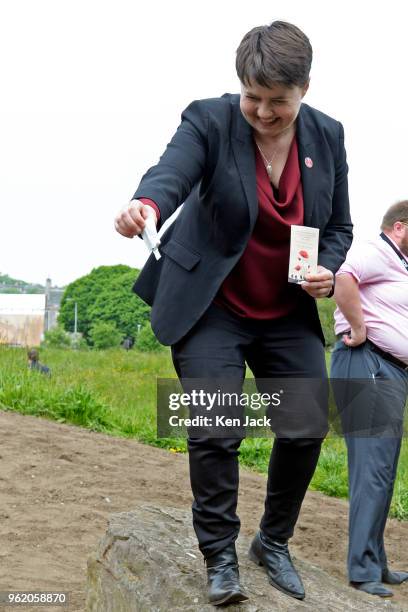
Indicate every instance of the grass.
{"type": "Point", "coordinates": [114, 392]}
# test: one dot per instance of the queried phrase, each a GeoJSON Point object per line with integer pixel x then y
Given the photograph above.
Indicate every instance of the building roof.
{"type": "Point", "coordinates": [22, 303]}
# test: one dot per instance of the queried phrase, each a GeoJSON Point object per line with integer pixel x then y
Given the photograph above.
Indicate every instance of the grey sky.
{"type": "Point", "coordinates": [92, 92]}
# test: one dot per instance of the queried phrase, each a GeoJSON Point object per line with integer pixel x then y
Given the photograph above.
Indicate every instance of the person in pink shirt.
{"type": "Point", "coordinates": [371, 321]}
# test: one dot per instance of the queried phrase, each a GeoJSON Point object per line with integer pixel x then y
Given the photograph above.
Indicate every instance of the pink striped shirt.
{"type": "Point", "coordinates": [383, 285]}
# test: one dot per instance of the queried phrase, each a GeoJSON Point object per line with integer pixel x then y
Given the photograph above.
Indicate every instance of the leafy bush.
{"type": "Point", "coordinates": [78, 342]}
{"type": "Point", "coordinates": [105, 334]}
{"type": "Point", "coordinates": [57, 338]}
{"type": "Point", "coordinates": [146, 340]}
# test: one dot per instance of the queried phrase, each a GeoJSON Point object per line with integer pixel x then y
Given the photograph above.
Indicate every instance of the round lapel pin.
{"type": "Point", "coordinates": [308, 162]}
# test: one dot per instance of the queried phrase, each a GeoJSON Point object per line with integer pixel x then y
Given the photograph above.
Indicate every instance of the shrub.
{"type": "Point", "coordinates": [105, 334]}
{"type": "Point", "coordinates": [146, 340]}
{"type": "Point", "coordinates": [78, 341]}
{"type": "Point", "coordinates": [57, 338]}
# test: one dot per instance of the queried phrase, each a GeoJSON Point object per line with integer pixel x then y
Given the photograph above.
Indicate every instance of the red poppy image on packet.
{"type": "Point", "coordinates": [304, 245]}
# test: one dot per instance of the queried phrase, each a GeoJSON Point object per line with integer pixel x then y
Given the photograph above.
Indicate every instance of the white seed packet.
{"type": "Point", "coordinates": [304, 248]}
{"type": "Point", "coordinates": [151, 237]}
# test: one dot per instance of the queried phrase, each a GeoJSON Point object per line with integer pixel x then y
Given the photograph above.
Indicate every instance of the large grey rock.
{"type": "Point", "coordinates": [148, 561]}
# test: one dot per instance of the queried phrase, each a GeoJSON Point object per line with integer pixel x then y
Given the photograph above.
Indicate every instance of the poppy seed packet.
{"type": "Point", "coordinates": [304, 247]}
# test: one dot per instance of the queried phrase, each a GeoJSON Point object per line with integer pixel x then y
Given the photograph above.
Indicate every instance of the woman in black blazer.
{"type": "Point", "coordinates": [247, 167]}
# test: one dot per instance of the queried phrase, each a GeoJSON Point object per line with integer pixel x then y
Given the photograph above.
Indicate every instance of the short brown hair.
{"type": "Point", "coordinates": [396, 212]}
{"type": "Point", "coordinates": [275, 53]}
{"type": "Point", "coordinates": [33, 354]}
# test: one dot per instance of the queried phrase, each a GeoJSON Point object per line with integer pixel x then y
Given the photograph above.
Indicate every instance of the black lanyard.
{"type": "Point", "coordinates": [397, 251]}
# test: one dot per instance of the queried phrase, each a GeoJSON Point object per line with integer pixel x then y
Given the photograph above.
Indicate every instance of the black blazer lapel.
{"type": "Point", "coordinates": [306, 137]}
{"type": "Point", "coordinates": [243, 150]}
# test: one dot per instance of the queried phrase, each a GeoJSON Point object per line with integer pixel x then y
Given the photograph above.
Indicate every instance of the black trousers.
{"type": "Point", "coordinates": [219, 346]}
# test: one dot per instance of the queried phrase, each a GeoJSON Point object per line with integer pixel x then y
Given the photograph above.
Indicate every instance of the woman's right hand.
{"type": "Point", "coordinates": [131, 219]}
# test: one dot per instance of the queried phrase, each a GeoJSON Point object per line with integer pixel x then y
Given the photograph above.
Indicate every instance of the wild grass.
{"type": "Point", "coordinates": [114, 392]}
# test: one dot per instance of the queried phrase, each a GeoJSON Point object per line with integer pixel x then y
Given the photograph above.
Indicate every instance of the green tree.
{"type": "Point", "coordinates": [146, 340]}
{"type": "Point", "coordinates": [104, 295]}
{"type": "Point", "coordinates": [105, 334]}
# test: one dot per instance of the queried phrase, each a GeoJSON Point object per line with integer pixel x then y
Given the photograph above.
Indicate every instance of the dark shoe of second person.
{"type": "Point", "coordinates": [372, 588]}
{"type": "Point", "coordinates": [223, 578]}
{"type": "Point", "coordinates": [275, 558]}
{"type": "Point", "coordinates": [390, 577]}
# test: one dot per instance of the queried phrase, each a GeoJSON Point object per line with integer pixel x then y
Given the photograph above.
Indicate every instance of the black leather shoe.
{"type": "Point", "coordinates": [275, 558]}
{"type": "Point", "coordinates": [223, 578]}
{"type": "Point", "coordinates": [372, 588]}
{"type": "Point", "coordinates": [394, 577]}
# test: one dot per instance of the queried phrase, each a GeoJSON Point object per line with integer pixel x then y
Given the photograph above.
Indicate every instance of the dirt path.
{"type": "Point", "coordinates": [59, 484]}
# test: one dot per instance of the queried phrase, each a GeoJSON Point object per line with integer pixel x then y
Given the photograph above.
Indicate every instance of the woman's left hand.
{"type": "Point", "coordinates": [319, 285]}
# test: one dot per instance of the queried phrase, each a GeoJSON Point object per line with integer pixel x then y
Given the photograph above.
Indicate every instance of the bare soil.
{"type": "Point", "coordinates": [59, 485]}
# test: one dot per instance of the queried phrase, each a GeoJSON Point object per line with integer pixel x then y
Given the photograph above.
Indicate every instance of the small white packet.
{"type": "Point", "coordinates": [151, 237]}
{"type": "Point", "coordinates": [304, 248]}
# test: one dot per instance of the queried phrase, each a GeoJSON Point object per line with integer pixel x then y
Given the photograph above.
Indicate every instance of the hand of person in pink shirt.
{"type": "Point", "coordinates": [131, 219]}
{"type": "Point", "coordinates": [357, 336]}
{"type": "Point", "coordinates": [320, 284]}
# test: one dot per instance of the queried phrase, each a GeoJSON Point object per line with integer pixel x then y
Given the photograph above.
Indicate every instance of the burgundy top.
{"type": "Point", "coordinates": [258, 287]}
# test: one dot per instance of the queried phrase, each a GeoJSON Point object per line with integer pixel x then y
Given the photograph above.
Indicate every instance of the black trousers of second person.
{"type": "Point", "coordinates": [218, 347]}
